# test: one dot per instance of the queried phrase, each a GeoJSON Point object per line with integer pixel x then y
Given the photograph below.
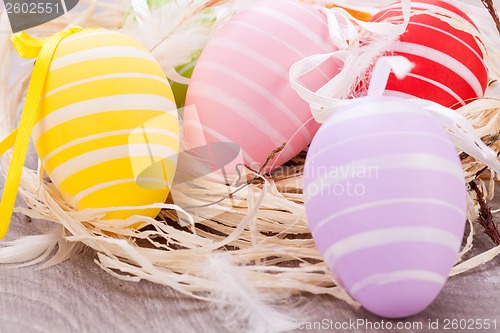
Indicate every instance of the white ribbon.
{"type": "Point", "coordinates": [399, 65]}
{"type": "Point", "coordinates": [344, 31]}
{"type": "Point", "coordinates": [461, 133]}
{"type": "Point", "coordinates": [357, 59]}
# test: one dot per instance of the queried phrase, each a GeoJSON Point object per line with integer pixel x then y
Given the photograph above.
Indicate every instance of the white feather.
{"type": "Point", "coordinates": [240, 306]}
{"type": "Point", "coordinates": [176, 32]}
{"type": "Point", "coordinates": [65, 250]}
{"type": "Point", "coordinates": [141, 10]}
{"type": "Point", "coordinates": [357, 62]}
{"type": "Point", "coordinates": [30, 249]}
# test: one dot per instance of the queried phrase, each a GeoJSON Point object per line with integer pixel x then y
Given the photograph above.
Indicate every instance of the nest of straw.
{"type": "Point", "coordinates": [262, 228]}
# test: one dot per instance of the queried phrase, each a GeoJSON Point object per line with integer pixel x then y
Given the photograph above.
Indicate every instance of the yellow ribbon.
{"type": "Point", "coordinates": [42, 49]}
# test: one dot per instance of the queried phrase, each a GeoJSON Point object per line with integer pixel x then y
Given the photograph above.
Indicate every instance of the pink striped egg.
{"type": "Point", "coordinates": [385, 200]}
{"type": "Point", "coordinates": [240, 85]}
{"type": "Point", "coordinates": [449, 64]}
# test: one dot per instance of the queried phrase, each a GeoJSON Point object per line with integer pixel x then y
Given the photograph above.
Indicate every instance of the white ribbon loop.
{"type": "Point", "coordinates": [344, 31]}
{"type": "Point", "coordinates": [357, 60]}
{"type": "Point", "coordinates": [462, 134]}
{"type": "Point", "coordinates": [399, 65]}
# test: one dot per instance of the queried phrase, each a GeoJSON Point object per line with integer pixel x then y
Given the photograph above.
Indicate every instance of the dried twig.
{"type": "Point", "coordinates": [272, 155]}
{"type": "Point", "coordinates": [485, 218]}
{"type": "Point", "coordinates": [491, 9]}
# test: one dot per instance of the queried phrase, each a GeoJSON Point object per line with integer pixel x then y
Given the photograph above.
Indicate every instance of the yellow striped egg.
{"type": "Point", "coordinates": [107, 130]}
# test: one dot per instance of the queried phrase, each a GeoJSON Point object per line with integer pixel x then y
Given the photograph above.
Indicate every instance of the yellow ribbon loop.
{"type": "Point", "coordinates": [8, 142]}
{"type": "Point", "coordinates": [27, 47]}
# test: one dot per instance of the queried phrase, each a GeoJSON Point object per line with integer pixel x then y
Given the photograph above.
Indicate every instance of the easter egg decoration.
{"type": "Point", "coordinates": [385, 199]}
{"type": "Point", "coordinates": [107, 107]}
{"type": "Point", "coordinates": [240, 85]}
{"type": "Point", "coordinates": [449, 62]}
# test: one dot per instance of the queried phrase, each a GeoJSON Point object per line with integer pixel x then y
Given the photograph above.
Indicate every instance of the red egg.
{"type": "Point", "coordinates": [449, 63]}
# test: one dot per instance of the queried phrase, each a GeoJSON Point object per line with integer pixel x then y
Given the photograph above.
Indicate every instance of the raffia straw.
{"type": "Point", "coordinates": [266, 233]}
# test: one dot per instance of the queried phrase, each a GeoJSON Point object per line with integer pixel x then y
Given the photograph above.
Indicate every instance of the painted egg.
{"type": "Point", "coordinates": [385, 199]}
{"type": "Point", "coordinates": [240, 85]}
{"type": "Point", "coordinates": [107, 123]}
{"type": "Point", "coordinates": [449, 63]}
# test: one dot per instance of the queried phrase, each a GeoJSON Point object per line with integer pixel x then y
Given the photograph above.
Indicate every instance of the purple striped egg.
{"type": "Point", "coordinates": [385, 199]}
{"type": "Point", "coordinates": [240, 85]}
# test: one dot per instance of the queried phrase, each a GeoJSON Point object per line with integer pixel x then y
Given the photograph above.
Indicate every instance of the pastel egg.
{"type": "Point", "coordinates": [107, 123]}
{"type": "Point", "coordinates": [449, 64]}
{"type": "Point", "coordinates": [385, 199]}
{"type": "Point", "coordinates": [240, 85]}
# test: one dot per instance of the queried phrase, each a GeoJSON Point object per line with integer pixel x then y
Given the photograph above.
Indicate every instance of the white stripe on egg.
{"type": "Point", "coordinates": [451, 36]}
{"type": "Point", "coordinates": [290, 22]}
{"type": "Point", "coordinates": [243, 110]}
{"type": "Point", "coordinates": [400, 94]}
{"type": "Point", "coordinates": [415, 5]}
{"type": "Point", "coordinates": [102, 135]}
{"type": "Point", "coordinates": [375, 136]}
{"type": "Point", "coordinates": [390, 236]}
{"type": "Point", "coordinates": [91, 190]}
{"type": "Point", "coordinates": [281, 42]}
{"type": "Point", "coordinates": [106, 77]}
{"type": "Point", "coordinates": [101, 105]}
{"type": "Point", "coordinates": [438, 85]}
{"type": "Point", "coordinates": [104, 52]}
{"type": "Point", "coordinates": [264, 93]}
{"type": "Point", "coordinates": [443, 59]}
{"type": "Point", "coordinates": [387, 162]}
{"type": "Point", "coordinates": [381, 203]}
{"type": "Point", "coordinates": [396, 277]}
{"type": "Point", "coordinates": [256, 57]}
{"type": "Point", "coordinates": [96, 157]}
{"type": "Point", "coordinates": [310, 11]}
{"type": "Point", "coordinates": [360, 112]}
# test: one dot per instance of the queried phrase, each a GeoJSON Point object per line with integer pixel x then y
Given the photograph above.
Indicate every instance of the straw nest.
{"type": "Point", "coordinates": [261, 228]}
